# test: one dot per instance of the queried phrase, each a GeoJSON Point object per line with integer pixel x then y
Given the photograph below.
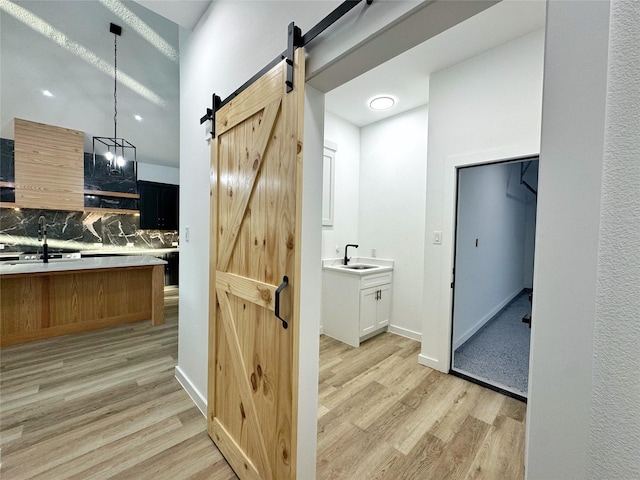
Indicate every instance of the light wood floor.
{"type": "Point", "coordinates": [105, 404]}
{"type": "Point", "coordinates": [383, 416]}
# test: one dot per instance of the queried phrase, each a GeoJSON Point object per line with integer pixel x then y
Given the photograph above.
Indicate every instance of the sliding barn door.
{"type": "Point", "coordinates": [256, 171]}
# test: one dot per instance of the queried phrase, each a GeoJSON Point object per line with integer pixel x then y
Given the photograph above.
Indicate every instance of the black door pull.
{"type": "Point", "coordinates": [285, 282]}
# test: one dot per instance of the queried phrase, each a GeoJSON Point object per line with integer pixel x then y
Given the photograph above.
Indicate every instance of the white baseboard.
{"type": "Point", "coordinates": [405, 332]}
{"type": "Point", "coordinates": [480, 323]}
{"type": "Point", "coordinates": [192, 391]}
{"type": "Point", "coordinates": [430, 362]}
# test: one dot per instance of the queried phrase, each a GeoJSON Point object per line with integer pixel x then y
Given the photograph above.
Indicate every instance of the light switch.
{"type": "Point", "coordinates": [437, 237]}
{"type": "Point", "coordinates": [186, 234]}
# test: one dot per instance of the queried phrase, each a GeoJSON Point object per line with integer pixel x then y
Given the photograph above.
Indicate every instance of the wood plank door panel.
{"type": "Point", "coordinates": [255, 241]}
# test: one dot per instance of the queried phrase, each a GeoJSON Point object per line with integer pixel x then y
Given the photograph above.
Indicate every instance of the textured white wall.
{"type": "Point", "coordinates": [491, 274]}
{"type": "Point", "coordinates": [565, 277]}
{"type": "Point", "coordinates": [614, 437]}
{"type": "Point", "coordinates": [393, 168]}
{"type": "Point", "coordinates": [347, 186]}
{"type": "Point", "coordinates": [484, 109]}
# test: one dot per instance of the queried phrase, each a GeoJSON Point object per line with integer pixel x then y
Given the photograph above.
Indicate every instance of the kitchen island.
{"type": "Point", "coordinates": [41, 300]}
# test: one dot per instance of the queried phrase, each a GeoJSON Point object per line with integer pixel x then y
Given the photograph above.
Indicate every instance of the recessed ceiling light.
{"type": "Point", "coordinates": [383, 102]}
{"type": "Point", "coordinates": [138, 118]}
{"type": "Point", "coordinates": [47, 93]}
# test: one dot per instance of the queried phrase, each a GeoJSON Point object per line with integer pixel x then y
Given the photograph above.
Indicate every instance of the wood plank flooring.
{"type": "Point", "coordinates": [105, 404]}
{"type": "Point", "coordinates": [383, 416]}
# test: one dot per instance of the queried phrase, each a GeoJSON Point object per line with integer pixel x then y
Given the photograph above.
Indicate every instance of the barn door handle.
{"type": "Point", "coordinates": [285, 282]}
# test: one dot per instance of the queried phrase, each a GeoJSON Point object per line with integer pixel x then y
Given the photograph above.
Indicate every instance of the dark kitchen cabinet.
{"type": "Point", "coordinates": [171, 268]}
{"type": "Point", "coordinates": [158, 206]}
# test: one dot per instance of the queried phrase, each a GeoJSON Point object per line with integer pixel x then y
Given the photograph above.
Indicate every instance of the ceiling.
{"type": "Point", "coordinates": [67, 63]}
{"type": "Point", "coordinates": [66, 48]}
{"type": "Point", "coordinates": [406, 77]}
{"type": "Point", "coordinates": [185, 13]}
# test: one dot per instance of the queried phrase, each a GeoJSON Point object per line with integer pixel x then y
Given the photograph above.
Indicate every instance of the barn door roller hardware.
{"type": "Point", "coordinates": [295, 40]}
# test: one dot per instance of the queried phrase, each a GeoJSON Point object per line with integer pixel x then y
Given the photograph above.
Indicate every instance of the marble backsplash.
{"type": "Point", "coordinates": [77, 231]}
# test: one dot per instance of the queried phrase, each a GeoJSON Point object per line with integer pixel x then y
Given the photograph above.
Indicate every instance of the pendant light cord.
{"type": "Point", "coordinates": [115, 86]}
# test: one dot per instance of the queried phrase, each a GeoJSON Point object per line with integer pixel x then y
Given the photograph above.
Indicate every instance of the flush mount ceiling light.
{"type": "Point", "coordinates": [382, 102]}
{"type": "Point", "coordinates": [47, 93]}
{"type": "Point", "coordinates": [118, 150]}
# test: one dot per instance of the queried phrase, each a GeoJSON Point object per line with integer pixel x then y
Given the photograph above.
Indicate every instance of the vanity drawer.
{"type": "Point", "coordinates": [375, 280]}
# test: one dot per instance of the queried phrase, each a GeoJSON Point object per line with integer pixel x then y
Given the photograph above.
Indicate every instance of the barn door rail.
{"type": "Point", "coordinates": [295, 40]}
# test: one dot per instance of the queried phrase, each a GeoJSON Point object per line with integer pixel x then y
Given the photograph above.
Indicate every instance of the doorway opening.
{"type": "Point", "coordinates": [493, 274]}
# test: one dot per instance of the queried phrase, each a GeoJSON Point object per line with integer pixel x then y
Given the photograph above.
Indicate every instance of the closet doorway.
{"type": "Point", "coordinates": [493, 274]}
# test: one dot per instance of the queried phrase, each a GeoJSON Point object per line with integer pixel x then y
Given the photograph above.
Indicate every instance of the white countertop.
{"type": "Point", "coordinates": [380, 265]}
{"type": "Point", "coordinates": [9, 267]}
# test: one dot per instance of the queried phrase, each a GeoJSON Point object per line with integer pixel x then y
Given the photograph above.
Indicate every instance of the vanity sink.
{"type": "Point", "coordinates": [357, 268]}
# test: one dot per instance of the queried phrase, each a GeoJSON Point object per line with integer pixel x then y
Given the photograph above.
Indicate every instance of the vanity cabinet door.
{"type": "Point", "coordinates": [375, 305]}
{"type": "Point", "coordinates": [383, 306]}
{"type": "Point", "coordinates": [368, 310]}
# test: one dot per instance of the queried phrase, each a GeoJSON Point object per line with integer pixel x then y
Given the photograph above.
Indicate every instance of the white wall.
{"type": "Point", "coordinates": [209, 64]}
{"type": "Point", "coordinates": [491, 274]}
{"type": "Point", "coordinates": [614, 437]}
{"type": "Point", "coordinates": [158, 173]}
{"type": "Point", "coordinates": [347, 186]}
{"type": "Point", "coordinates": [484, 109]}
{"type": "Point", "coordinates": [311, 282]}
{"type": "Point", "coordinates": [230, 44]}
{"type": "Point", "coordinates": [582, 415]}
{"type": "Point", "coordinates": [393, 168]}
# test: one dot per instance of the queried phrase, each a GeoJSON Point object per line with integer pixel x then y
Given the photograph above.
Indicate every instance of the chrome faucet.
{"type": "Point", "coordinates": [42, 237]}
{"type": "Point", "coordinates": [345, 260]}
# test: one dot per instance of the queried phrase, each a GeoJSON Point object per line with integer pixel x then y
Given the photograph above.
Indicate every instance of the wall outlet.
{"type": "Point", "coordinates": [337, 248]}
{"type": "Point", "coordinates": [129, 245]}
{"type": "Point", "coordinates": [437, 237]}
{"type": "Point", "coordinates": [374, 253]}
{"type": "Point", "coordinates": [2, 246]}
{"type": "Point", "coordinates": [174, 244]}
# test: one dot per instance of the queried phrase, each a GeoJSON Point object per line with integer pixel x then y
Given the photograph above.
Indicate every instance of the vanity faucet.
{"type": "Point", "coordinates": [345, 260]}
{"type": "Point", "coordinates": [42, 237]}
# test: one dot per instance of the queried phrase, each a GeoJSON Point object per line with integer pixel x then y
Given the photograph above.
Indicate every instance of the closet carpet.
{"type": "Point", "coordinates": [499, 351]}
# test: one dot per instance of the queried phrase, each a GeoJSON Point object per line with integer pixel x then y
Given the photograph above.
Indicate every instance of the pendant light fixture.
{"type": "Point", "coordinates": [117, 152]}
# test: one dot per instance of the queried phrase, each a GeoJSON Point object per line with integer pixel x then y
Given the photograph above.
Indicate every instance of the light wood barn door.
{"type": "Point", "coordinates": [256, 171]}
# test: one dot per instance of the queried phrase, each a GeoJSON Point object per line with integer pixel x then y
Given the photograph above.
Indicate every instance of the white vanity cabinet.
{"type": "Point", "coordinates": [355, 306]}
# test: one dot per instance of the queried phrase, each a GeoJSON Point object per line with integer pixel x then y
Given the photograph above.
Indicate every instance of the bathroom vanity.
{"type": "Point", "coordinates": [356, 299]}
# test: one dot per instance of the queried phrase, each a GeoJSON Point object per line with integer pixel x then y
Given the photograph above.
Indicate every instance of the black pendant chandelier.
{"type": "Point", "coordinates": [117, 152]}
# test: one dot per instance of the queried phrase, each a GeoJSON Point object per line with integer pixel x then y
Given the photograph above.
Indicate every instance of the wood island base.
{"type": "Point", "coordinates": [48, 304]}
